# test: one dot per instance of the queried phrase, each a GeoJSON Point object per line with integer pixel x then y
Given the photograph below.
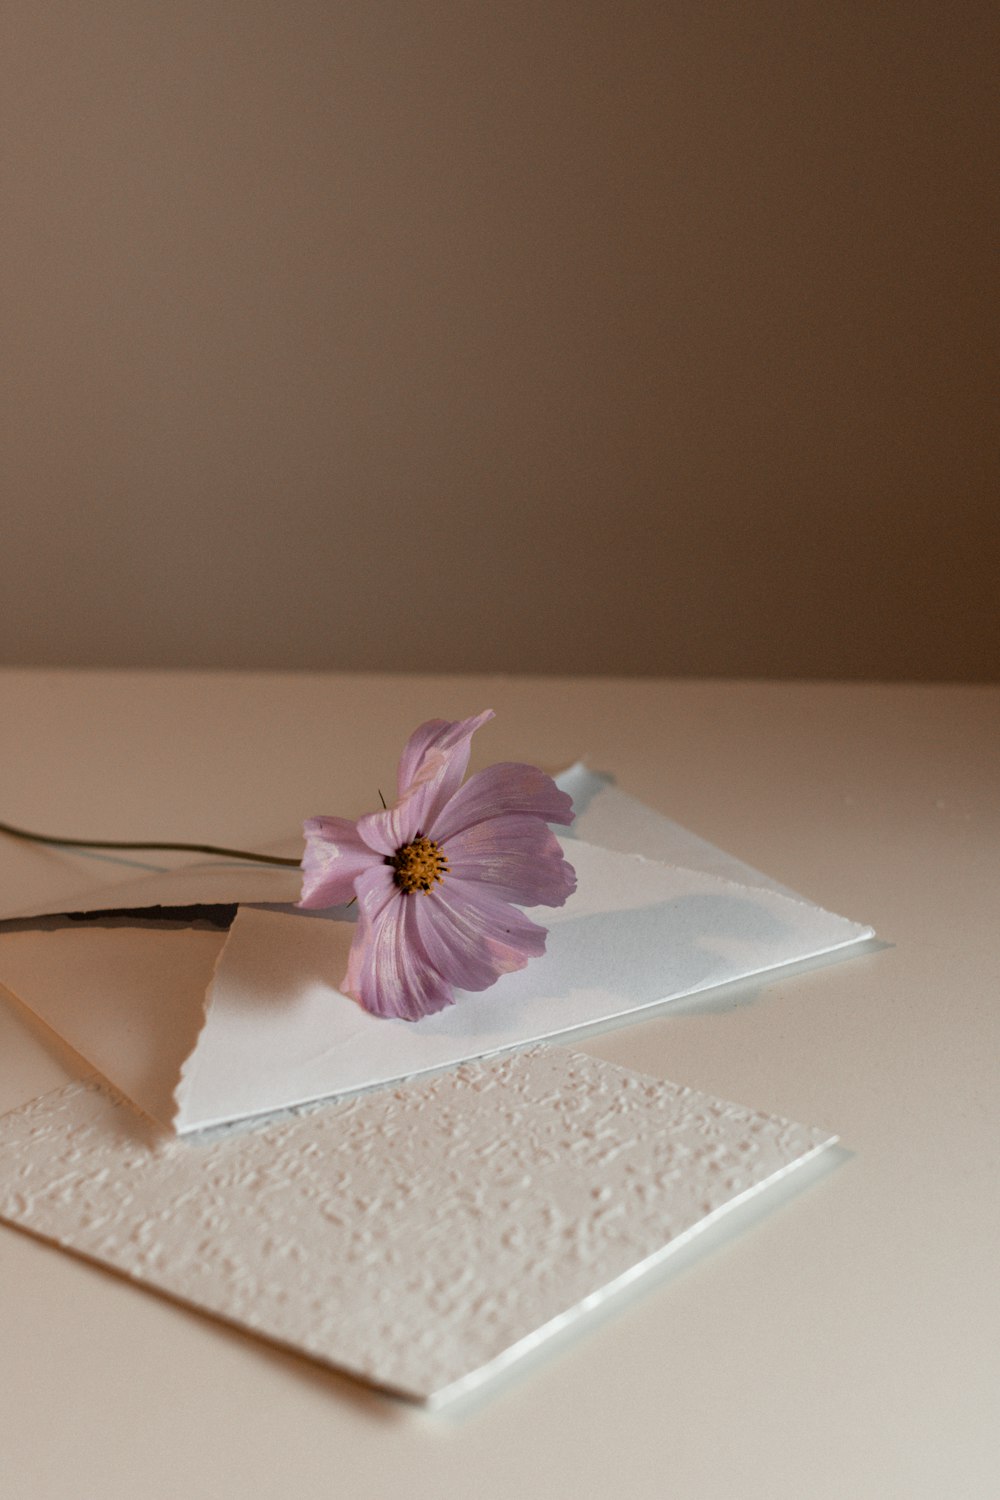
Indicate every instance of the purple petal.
{"type": "Point", "coordinates": [430, 771]}
{"type": "Point", "coordinates": [389, 970]}
{"type": "Point", "coordinates": [389, 830]}
{"type": "Point", "coordinates": [375, 889]}
{"type": "Point", "coordinates": [517, 856]}
{"type": "Point", "coordinates": [435, 737]}
{"type": "Point", "coordinates": [334, 857]}
{"type": "Point", "coordinates": [505, 788]}
{"type": "Point", "coordinates": [438, 753]}
{"type": "Point", "coordinates": [471, 937]}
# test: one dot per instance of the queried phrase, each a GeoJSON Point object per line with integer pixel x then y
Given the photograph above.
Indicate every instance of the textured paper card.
{"type": "Point", "coordinates": [422, 1238]}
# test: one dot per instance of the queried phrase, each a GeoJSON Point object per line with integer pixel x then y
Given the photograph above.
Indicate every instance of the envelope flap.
{"type": "Point", "coordinates": [200, 1028]}
{"type": "Point", "coordinates": [202, 883]}
{"type": "Point", "coordinates": [607, 816]}
{"type": "Point", "coordinates": [637, 933]}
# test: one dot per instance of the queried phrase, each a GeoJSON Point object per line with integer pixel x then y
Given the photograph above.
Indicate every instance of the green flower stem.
{"type": "Point", "coordinates": [45, 838]}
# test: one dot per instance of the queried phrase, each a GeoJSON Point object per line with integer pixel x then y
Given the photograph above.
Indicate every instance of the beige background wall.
{"type": "Point", "coordinates": [597, 336]}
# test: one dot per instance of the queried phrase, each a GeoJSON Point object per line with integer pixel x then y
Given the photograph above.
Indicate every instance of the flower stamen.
{"type": "Point", "coordinates": [418, 865]}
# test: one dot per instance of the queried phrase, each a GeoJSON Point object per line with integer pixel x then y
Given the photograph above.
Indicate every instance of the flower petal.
{"type": "Point", "coordinates": [389, 830]}
{"type": "Point", "coordinates": [517, 856]}
{"type": "Point", "coordinates": [439, 737]}
{"type": "Point", "coordinates": [375, 889]}
{"type": "Point", "coordinates": [335, 855]}
{"type": "Point", "coordinates": [505, 788]}
{"type": "Point", "coordinates": [389, 970]}
{"type": "Point", "coordinates": [430, 772]}
{"type": "Point", "coordinates": [471, 936]}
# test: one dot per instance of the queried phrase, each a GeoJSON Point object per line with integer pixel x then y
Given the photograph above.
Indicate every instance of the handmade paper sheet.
{"type": "Point", "coordinates": [199, 1028]}
{"type": "Point", "coordinates": [636, 933]}
{"type": "Point", "coordinates": [603, 815]}
{"type": "Point", "coordinates": [421, 1238]}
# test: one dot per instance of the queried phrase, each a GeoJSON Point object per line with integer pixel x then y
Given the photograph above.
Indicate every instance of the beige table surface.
{"type": "Point", "coordinates": [845, 1347]}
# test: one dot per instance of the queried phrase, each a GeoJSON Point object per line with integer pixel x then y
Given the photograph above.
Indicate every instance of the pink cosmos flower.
{"type": "Point", "coordinates": [436, 875]}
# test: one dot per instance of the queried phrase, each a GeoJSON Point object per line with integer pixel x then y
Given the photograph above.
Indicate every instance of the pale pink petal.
{"type": "Point", "coordinates": [518, 857]}
{"type": "Point", "coordinates": [389, 830]}
{"type": "Point", "coordinates": [471, 937]}
{"type": "Point", "coordinates": [439, 737]}
{"type": "Point", "coordinates": [335, 855]}
{"type": "Point", "coordinates": [505, 788]}
{"type": "Point", "coordinates": [389, 969]}
{"type": "Point", "coordinates": [375, 888]}
{"type": "Point", "coordinates": [430, 771]}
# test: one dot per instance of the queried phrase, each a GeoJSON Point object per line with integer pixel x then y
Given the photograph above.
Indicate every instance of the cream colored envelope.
{"type": "Point", "coordinates": [200, 1026]}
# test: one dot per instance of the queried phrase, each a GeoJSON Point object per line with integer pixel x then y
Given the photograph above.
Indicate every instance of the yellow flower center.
{"type": "Point", "coordinates": [418, 866]}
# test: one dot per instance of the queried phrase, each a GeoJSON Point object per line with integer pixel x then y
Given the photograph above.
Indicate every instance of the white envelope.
{"type": "Point", "coordinates": [199, 1026]}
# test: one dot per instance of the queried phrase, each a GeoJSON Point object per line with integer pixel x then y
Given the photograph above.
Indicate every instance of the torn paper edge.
{"type": "Point", "coordinates": [189, 1068]}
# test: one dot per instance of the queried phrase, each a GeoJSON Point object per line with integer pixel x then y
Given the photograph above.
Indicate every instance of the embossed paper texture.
{"type": "Point", "coordinates": [420, 1238]}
